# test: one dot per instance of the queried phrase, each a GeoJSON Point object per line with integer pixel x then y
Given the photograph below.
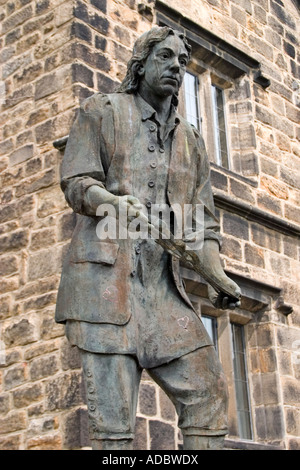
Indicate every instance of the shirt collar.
{"type": "Point", "coordinates": [148, 112]}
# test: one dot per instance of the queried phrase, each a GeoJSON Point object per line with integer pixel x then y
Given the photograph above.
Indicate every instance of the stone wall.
{"type": "Point", "coordinates": [55, 53]}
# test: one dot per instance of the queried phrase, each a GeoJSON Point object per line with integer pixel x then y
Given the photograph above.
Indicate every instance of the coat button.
{"type": "Point", "coordinates": [153, 164]}
{"type": "Point", "coordinates": [148, 204]}
{"type": "Point", "coordinates": [151, 184]}
{"type": "Point", "coordinates": [151, 148]}
{"type": "Point", "coordinates": [152, 128]}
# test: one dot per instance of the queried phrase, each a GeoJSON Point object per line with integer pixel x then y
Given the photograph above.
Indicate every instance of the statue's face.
{"type": "Point", "coordinates": [165, 67]}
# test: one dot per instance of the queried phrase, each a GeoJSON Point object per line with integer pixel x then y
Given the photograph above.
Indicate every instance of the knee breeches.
{"type": "Point", "coordinates": [195, 384]}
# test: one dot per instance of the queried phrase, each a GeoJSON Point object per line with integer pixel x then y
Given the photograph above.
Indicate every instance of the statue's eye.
{"type": "Point", "coordinates": [164, 55]}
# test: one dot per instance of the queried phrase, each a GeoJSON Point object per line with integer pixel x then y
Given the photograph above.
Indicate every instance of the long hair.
{"type": "Point", "coordinates": [142, 49]}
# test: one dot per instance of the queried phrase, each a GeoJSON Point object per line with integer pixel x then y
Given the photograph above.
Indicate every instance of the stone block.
{"type": "Point", "coordinates": [264, 115]}
{"type": "Point", "coordinates": [267, 360]}
{"type": "Point", "coordinates": [100, 23]}
{"type": "Point", "coordinates": [39, 426]}
{"type": "Point", "coordinates": [6, 146]}
{"type": "Point", "coordinates": [162, 435]}
{"type": "Point", "coordinates": [15, 421]}
{"type": "Point", "coordinates": [236, 226]}
{"type": "Point", "coordinates": [40, 181]}
{"type": "Point", "coordinates": [239, 15]}
{"type": "Point", "coordinates": [53, 82]}
{"type": "Point", "coordinates": [292, 416]}
{"type": "Point", "coordinates": [82, 74]}
{"type": "Point", "coordinates": [76, 433]}
{"type": "Point", "coordinates": [254, 255]}
{"type": "Point", "coordinates": [231, 248]}
{"type": "Point", "coordinates": [219, 180]}
{"type": "Point", "coordinates": [167, 409]}
{"type": "Point", "coordinates": [242, 191]}
{"type": "Point", "coordinates": [147, 400]}
{"type": "Point", "coordinates": [249, 164]}
{"type": "Point", "coordinates": [7, 212]}
{"type": "Point", "coordinates": [294, 444]}
{"type": "Point", "coordinates": [50, 201]}
{"type": "Point", "coordinates": [13, 36]}
{"type": "Point", "coordinates": [269, 203]}
{"type": "Point", "coordinates": [282, 14]}
{"type": "Point", "coordinates": [50, 329]}
{"type": "Point", "coordinates": [39, 302]}
{"type": "Point", "coordinates": [100, 43]}
{"type": "Point", "coordinates": [5, 307]}
{"type": "Point", "coordinates": [64, 391]}
{"type": "Point", "coordinates": [290, 177]}
{"type": "Point", "coordinates": [41, 6]}
{"type": "Point", "coordinates": [285, 362]}
{"type": "Point", "coordinates": [96, 60]}
{"type": "Point", "coordinates": [8, 265]}
{"type": "Point", "coordinates": [21, 155]}
{"type": "Point", "coordinates": [99, 4]}
{"type": "Point", "coordinates": [22, 397]}
{"type": "Point", "coordinates": [19, 333]}
{"type": "Point", "coordinates": [11, 442]}
{"type": "Point", "coordinates": [42, 238]}
{"type": "Point", "coordinates": [44, 263]}
{"type": "Point", "coordinates": [4, 403]}
{"type": "Point", "coordinates": [272, 185]}
{"type": "Point", "coordinates": [106, 84]}
{"type": "Point", "coordinates": [14, 376]}
{"type": "Point", "coordinates": [292, 212]}
{"type": "Point", "coordinates": [274, 422]}
{"type": "Point", "coordinates": [70, 357]}
{"type": "Point", "coordinates": [291, 391]}
{"type": "Point", "coordinates": [43, 367]}
{"type": "Point", "coordinates": [266, 238]}
{"type": "Point", "coordinates": [81, 31]}
{"type": "Point", "coordinates": [17, 19]}
{"type": "Point", "coordinates": [289, 49]}
{"type": "Point", "coordinates": [51, 442]}
{"type": "Point", "coordinates": [140, 439]}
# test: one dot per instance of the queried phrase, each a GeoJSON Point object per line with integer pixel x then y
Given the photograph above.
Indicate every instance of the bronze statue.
{"type": "Point", "coordinates": [121, 297]}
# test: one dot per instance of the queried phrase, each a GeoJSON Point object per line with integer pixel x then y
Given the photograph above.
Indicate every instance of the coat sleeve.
{"type": "Point", "coordinates": [204, 195]}
{"type": "Point", "coordinates": [84, 161]}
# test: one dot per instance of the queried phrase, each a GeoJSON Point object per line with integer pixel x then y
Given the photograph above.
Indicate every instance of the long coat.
{"type": "Point", "coordinates": [102, 150]}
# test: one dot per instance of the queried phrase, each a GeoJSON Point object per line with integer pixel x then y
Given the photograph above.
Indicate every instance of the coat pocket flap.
{"type": "Point", "coordinates": [94, 252]}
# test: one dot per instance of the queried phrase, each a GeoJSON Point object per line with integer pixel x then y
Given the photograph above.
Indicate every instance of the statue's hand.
{"type": "Point", "coordinates": [222, 300]}
{"type": "Point", "coordinates": [129, 206]}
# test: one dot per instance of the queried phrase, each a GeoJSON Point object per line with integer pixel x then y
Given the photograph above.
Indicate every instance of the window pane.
{"type": "Point", "coordinates": [241, 382]}
{"type": "Point", "coordinates": [219, 127]}
{"type": "Point", "coordinates": [210, 324]}
{"type": "Point", "coordinates": [192, 99]}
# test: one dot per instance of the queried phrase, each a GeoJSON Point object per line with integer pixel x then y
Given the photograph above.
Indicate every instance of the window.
{"type": "Point", "coordinates": [210, 324]}
{"type": "Point", "coordinates": [241, 382]}
{"type": "Point", "coordinates": [200, 91]}
{"type": "Point", "coordinates": [229, 341]}
{"type": "Point", "coordinates": [191, 95]}
{"type": "Point", "coordinates": [219, 119]}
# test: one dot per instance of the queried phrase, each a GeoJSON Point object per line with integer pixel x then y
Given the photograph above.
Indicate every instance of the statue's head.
{"type": "Point", "coordinates": [142, 49]}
